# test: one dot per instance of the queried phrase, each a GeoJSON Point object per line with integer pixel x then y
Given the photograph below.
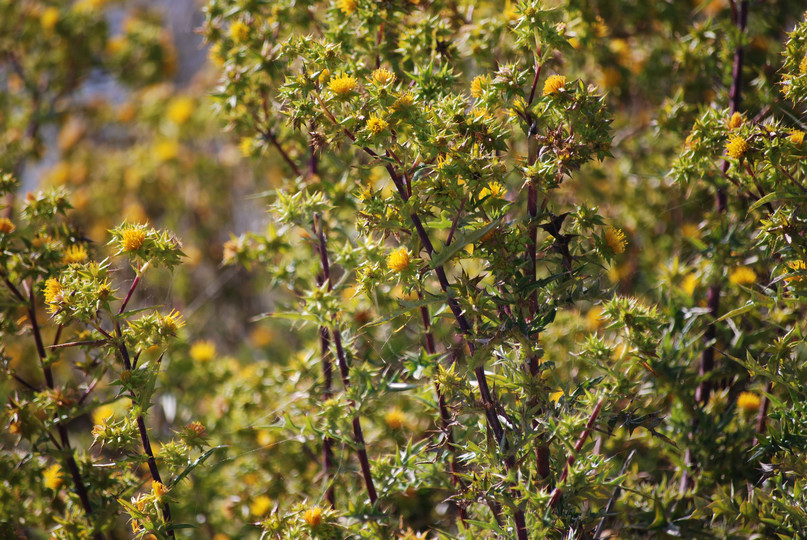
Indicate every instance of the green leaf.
{"type": "Point", "coordinates": [201, 459]}
{"type": "Point", "coordinates": [462, 240]}
{"type": "Point", "coordinates": [739, 311]}
{"type": "Point", "coordinates": [289, 315]}
{"type": "Point", "coordinates": [775, 196]}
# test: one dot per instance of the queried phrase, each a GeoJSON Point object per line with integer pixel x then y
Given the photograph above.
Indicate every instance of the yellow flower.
{"type": "Point", "coordinates": [172, 322]}
{"type": "Point", "coordinates": [494, 189]}
{"type": "Point", "coordinates": [49, 18]}
{"type": "Point", "coordinates": [261, 336]}
{"type": "Point", "coordinates": [615, 239]}
{"type": "Point", "coordinates": [6, 226]}
{"type": "Point", "coordinates": [594, 318]}
{"type": "Point", "coordinates": [690, 283]}
{"type": "Point", "coordinates": [74, 254]}
{"type": "Point", "coordinates": [611, 77]}
{"type": "Point", "coordinates": [167, 149]}
{"type": "Point", "coordinates": [246, 145]}
{"type": "Point", "coordinates": [132, 238]}
{"type": "Point", "coordinates": [403, 102]}
{"type": "Point", "coordinates": [239, 32]}
{"type": "Point", "coordinates": [478, 86]}
{"type": "Point", "coordinates": [342, 84]}
{"type": "Point", "coordinates": [53, 294]}
{"type": "Point", "coordinates": [398, 260]}
{"type": "Point", "coordinates": [102, 413]}
{"type": "Point", "coordinates": [554, 84]}
{"type": "Point", "coordinates": [554, 397]}
{"type": "Point", "coordinates": [748, 402]}
{"type": "Point", "coordinates": [383, 76]}
{"type": "Point", "coordinates": [260, 506]}
{"type": "Point", "coordinates": [796, 137]}
{"type": "Point", "coordinates": [52, 477]}
{"type": "Point", "coordinates": [203, 351]}
{"type": "Point", "coordinates": [376, 125]}
{"type": "Point", "coordinates": [347, 6]}
{"type": "Point", "coordinates": [736, 147]}
{"type": "Point", "coordinates": [158, 489]}
{"type": "Point", "coordinates": [89, 5]}
{"type": "Point", "coordinates": [690, 230]}
{"type": "Point", "coordinates": [180, 110]}
{"type": "Point", "coordinates": [313, 516]}
{"type": "Point", "coordinates": [797, 266]}
{"type": "Point", "coordinates": [601, 29]}
{"type": "Point", "coordinates": [735, 121]}
{"type": "Point", "coordinates": [395, 418]}
{"type": "Point", "coordinates": [742, 275]}
{"type": "Point", "coordinates": [197, 428]}
{"type": "Point", "coordinates": [215, 54]}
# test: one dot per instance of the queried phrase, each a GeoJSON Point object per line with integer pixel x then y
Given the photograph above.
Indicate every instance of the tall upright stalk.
{"type": "Point", "coordinates": [707, 360]}
{"type": "Point", "coordinates": [123, 351]}
{"type": "Point", "coordinates": [344, 369]}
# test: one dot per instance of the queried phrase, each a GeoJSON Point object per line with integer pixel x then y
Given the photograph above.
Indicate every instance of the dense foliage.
{"type": "Point", "coordinates": [529, 269]}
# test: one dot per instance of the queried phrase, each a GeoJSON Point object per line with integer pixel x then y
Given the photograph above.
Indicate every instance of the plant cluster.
{"type": "Point", "coordinates": [538, 268]}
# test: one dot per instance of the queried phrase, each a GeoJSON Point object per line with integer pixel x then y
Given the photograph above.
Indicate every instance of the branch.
{"type": "Point", "coordinates": [358, 434]}
{"type": "Point", "coordinates": [577, 448]}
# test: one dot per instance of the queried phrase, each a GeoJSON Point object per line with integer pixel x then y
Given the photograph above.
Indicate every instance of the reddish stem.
{"type": "Point", "coordinates": [577, 448]}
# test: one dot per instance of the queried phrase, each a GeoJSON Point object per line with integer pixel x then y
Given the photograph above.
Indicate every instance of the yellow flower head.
{"type": "Point", "coordinates": [53, 292]}
{"type": "Point", "coordinates": [594, 318]}
{"type": "Point", "coordinates": [172, 322]}
{"type": "Point", "coordinates": [395, 418]}
{"type": "Point", "coordinates": [313, 516]}
{"type": "Point", "coordinates": [52, 477]}
{"type": "Point", "coordinates": [49, 18]}
{"type": "Point", "coordinates": [102, 413]}
{"type": "Point", "coordinates": [376, 125]}
{"type": "Point", "coordinates": [797, 137]}
{"type": "Point", "coordinates": [478, 86]}
{"type": "Point", "coordinates": [748, 402]}
{"type": "Point", "coordinates": [180, 110]}
{"type": "Point", "coordinates": [690, 230]}
{"type": "Point", "coordinates": [398, 260]}
{"type": "Point", "coordinates": [6, 226]}
{"type": "Point", "coordinates": [554, 84]}
{"type": "Point", "coordinates": [342, 84]}
{"type": "Point", "coordinates": [197, 428]}
{"type": "Point", "coordinates": [239, 32]}
{"type": "Point", "coordinates": [403, 102]}
{"type": "Point", "coordinates": [736, 147]}
{"type": "Point", "coordinates": [615, 239]}
{"type": "Point", "coordinates": [347, 6]}
{"type": "Point", "coordinates": [383, 76]}
{"type": "Point", "coordinates": [494, 189]}
{"type": "Point", "coordinates": [246, 145]}
{"type": "Point", "coordinates": [167, 149]}
{"type": "Point", "coordinates": [735, 121]}
{"type": "Point", "coordinates": [743, 275]}
{"type": "Point", "coordinates": [260, 505]}
{"type": "Point", "coordinates": [797, 266]}
{"type": "Point", "coordinates": [74, 254]}
{"type": "Point", "coordinates": [203, 351]}
{"type": "Point", "coordinates": [158, 489]}
{"type": "Point", "coordinates": [132, 238]}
